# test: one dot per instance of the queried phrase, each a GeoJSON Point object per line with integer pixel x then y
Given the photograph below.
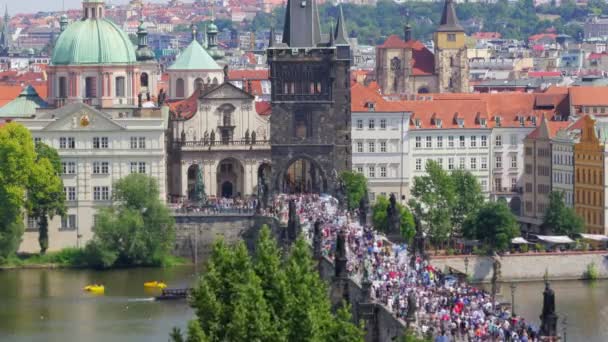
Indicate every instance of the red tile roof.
{"type": "Point", "coordinates": [487, 35]}
{"type": "Point", "coordinates": [362, 97]}
{"type": "Point", "coordinates": [539, 36]}
{"type": "Point", "coordinates": [423, 60]}
{"type": "Point", "coordinates": [9, 92]}
{"type": "Point", "coordinates": [551, 126]}
{"type": "Point", "coordinates": [544, 74]}
{"type": "Point", "coordinates": [588, 96]}
{"type": "Point", "coordinates": [248, 74]}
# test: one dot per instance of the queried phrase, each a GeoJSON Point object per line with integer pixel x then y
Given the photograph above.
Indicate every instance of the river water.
{"type": "Point", "coordinates": [49, 305]}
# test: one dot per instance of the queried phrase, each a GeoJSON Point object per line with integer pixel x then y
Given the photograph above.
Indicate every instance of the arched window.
{"type": "Point", "coordinates": [120, 86]}
{"type": "Point", "coordinates": [179, 88]}
{"type": "Point", "coordinates": [215, 81]}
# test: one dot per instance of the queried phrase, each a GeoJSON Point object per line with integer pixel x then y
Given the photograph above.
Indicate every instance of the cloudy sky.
{"type": "Point", "coordinates": [31, 6]}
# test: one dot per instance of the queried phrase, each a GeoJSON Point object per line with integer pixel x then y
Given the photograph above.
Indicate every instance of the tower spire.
{"type": "Point", "coordinates": [341, 36]}
{"type": "Point", "coordinates": [302, 28]}
{"type": "Point", "coordinates": [449, 20]}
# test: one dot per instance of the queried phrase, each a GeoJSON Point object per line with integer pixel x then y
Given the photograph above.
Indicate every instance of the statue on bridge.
{"type": "Point", "coordinates": [340, 257]}
{"type": "Point", "coordinates": [393, 215]}
{"type": "Point", "coordinates": [548, 317]}
{"type": "Point", "coordinates": [292, 223]}
{"type": "Point", "coordinates": [418, 245]}
{"type": "Point", "coordinates": [411, 308]}
{"type": "Point", "coordinates": [317, 240]}
{"type": "Point", "coordinates": [363, 210]}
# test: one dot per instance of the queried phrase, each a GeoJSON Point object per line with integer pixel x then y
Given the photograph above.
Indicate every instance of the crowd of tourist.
{"type": "Point", "coordinates": [217, 206]}
{"type": "Point", "coordinates": [446, 309]}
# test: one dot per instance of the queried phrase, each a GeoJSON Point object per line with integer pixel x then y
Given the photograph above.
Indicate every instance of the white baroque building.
{"type": "Point", "coordinates": [96, 149]}
{"type": "Point", "coordinates": [379, 148]}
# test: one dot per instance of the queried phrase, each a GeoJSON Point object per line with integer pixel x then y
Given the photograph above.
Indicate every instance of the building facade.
{"type": "Point", "coordinates": [380, 150]}
{"type": "Point", "coordinates": [219, 134]}
{"type": "Point", "coordinates": [96, 150]}
{"type": "Point", "coordinates": [589, 183]}
{"type": "Point", "coordinates": [562, 168]}
{"type": "Point", "coordinates": [311, 113]}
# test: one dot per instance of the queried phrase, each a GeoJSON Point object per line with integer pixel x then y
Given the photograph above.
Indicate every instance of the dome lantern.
{"type": "Point", "coordinates": [93, 9]}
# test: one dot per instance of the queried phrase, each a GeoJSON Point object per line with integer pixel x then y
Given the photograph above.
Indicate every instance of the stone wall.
{"type": "Point", "coordinates": [528, 267]}
{"type": "Point", "coordinates": [384, 327]}
{"type": "Point", "coordinates": [202, 231]}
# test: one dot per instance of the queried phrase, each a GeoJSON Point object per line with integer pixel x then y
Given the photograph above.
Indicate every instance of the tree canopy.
{"type": "Point", "coordinates": [443, 201]}
{"type": "Point", "coordinates": [560, 219]}
{"type": "Point", "coordinates": [380, 218]}
{"type": "Point", "coordinates": [356, 188]}
{"type": "Point", "coordinates": [17, 160]}
{"type": "Point", "coordinates": [267, 297]}
{"type": "Point", "coordinates": [493, 224]}
{"type": "Point", "coordinates": [136, 230]}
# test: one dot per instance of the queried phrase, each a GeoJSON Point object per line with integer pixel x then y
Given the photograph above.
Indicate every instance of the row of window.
{"type": "Point", "coordinates": [371, 171]}
{"type": "Point", "coordinates": [372, 147]}
{"type": "Point", "coordinates": [68, 222]}
{"type": "Point", "coordinates": [591, 217]}
{"type": "Point", "coordinates": [371, 124]}
{"type": "Point", "coordinates": [98, 142]}
{"type": "Point", "coordinates": [589, 176]}
{"type": "Point", "coordinates": [483, 163]}
{"type": "Point", "coordinates": [563, 159]}
{"type": "Point", "coordinates": [91, 87]}
{"type": "Point", "coordinates": [428, 141]}
{"type": "Point", "coordinates": [100, 193]}
{"type": "Point", "coordinates": [563, 177]}
{"type": "Point", "coordinates": [102, 167]}
{"type": "Point", "coordinates": [513, 140]}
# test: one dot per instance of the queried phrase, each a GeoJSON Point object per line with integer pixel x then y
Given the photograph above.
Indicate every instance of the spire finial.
{"type": "Point", "coordinates": [341, 36]}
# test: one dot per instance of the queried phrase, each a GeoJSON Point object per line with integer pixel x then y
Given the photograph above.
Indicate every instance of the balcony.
{"type": "Point", "coordinates": [507, 190]}
{"type": "Point", "coordinates": [60, 102]}
{"type": "Point", "coordinates": [242, 144]}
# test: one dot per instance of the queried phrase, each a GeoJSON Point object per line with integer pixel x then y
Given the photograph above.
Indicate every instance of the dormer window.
{"type": "Point", "coordinates": [438, 123]}
{"type": "Point", "coordinates": [483, 122]}
{"type": "Point", "coordinates": [497, 120]}
{"type": "Point", "coordinates": [417, 123]}
{"type": "Point", "coordinates": [460, 122]}
{"type": "Point", "coordinates": [371, 106]}
{"type": "Point", "coordinates": [522, 121]}
{"type": "Point", "coordinates": [534, 120]}
{"type": "Point", "coordinates": [303, 3]}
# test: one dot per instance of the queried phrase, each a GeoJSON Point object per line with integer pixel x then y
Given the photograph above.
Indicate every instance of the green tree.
{"type": "Point", "coordinates": [560, 219]}
{"type": "Point", "coordinates": [355, 186]}
{"type": "Point", "coordinates": [17, 160]}
{"type": "Point", "coordinates": [45, 191]}
{"type": "Point", "coordinates": [433, 198]}
{"type": "Point", "coordinates": [136, 230]}
{"type": "Point", "coordinates": [343, 330]}
{"type": "Point", "coordinates": [493, 224]}
{"type": "Point", "coordinates": [380, 218]}
{"type": "Point", "coordinates": [468, 197]}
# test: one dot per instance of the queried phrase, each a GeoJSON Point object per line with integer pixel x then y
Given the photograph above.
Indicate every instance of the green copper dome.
{"type": "Point", "coordinates": [93, 41]}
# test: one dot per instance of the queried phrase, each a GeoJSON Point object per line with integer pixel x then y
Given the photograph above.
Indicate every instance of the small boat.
{"type": "Point", "coordinates": [155, 284]}
{"type": "Point", "coordinates": [94, 288]}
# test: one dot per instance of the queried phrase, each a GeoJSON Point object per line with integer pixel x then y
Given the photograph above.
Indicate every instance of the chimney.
{"type": "Point", "coordinates": [407, 33]}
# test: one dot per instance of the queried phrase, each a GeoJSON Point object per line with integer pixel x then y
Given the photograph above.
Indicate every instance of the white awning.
{"type": "Point", "coordinates": [519, 241]}
{"type": "Point", "coordinates": [594, 237]}
{"type": "Point", "coordinates": [555, 238]}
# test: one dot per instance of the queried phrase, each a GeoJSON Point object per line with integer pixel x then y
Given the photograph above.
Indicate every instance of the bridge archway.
{"type": "Point", "coordinates": [230, 177]}
{"type": "Point", "coordinates": [303, 175]}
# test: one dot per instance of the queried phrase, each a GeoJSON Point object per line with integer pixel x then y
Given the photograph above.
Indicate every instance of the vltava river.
{"type": "Point", "coordinates": [49, 305]}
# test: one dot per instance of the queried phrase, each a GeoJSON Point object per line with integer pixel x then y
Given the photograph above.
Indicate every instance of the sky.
{"type": "Point", "coordinates": [32, 6]}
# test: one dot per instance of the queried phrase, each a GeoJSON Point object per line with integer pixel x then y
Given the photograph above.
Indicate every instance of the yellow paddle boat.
{"type": "Point", "coordinates": [94, 288]}
{"type": "Point", "coordinates": [155, 285]}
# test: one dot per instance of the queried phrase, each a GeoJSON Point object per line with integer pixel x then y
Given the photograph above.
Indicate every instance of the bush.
{"type": "Point", "coordinates": [592, 272]}
{"type": "Point", "coordinates": [524, 248]}
{"type": "Point", "coordinates": [539, 247]}
{"type": "Point", "coordinates": [450, 251]}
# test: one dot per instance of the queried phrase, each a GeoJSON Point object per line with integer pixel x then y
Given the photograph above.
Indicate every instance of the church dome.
{"type": "Point", "coordinates": [93, 41]}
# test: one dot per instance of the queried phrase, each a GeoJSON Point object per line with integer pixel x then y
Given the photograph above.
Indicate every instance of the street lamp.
{"type": "Point", "coordinates": [513, 287]}
{"type": "Point", "coordinates": [466, 266]}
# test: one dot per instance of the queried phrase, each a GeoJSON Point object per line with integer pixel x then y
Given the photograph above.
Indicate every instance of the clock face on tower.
{"type": "Point", "coordinates": [84, 120]}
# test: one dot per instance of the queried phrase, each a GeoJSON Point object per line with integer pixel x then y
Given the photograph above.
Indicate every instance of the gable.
{"type": "Point", "coordinates": [226, 90]}
{"type": "Point", "coordinates": [80, 117]}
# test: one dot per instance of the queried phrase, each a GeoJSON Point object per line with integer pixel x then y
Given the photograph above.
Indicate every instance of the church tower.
{"type": "Point", "coordinates": [311, 118]}
{"type": "Point", "coordinates": [451, 62]}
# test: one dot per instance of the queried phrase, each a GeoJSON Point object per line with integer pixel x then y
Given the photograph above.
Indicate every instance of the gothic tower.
{"type": "Point", "coordinates": [451, 62]}
{"type": "Point", "coordinates": [311, 118]}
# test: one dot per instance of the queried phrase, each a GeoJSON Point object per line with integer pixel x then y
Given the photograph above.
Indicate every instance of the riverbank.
{"type": "Point", "coordinates": [527, 266]}
{"type": "Point", "coordinates": [73, 258]}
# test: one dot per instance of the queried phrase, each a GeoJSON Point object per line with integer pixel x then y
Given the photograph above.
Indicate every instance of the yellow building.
{"type": "Point", "coordinates": [589, 178]}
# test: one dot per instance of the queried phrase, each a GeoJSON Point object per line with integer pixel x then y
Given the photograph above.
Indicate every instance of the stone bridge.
{"type": "Point", "coordinates": [196, 233]}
